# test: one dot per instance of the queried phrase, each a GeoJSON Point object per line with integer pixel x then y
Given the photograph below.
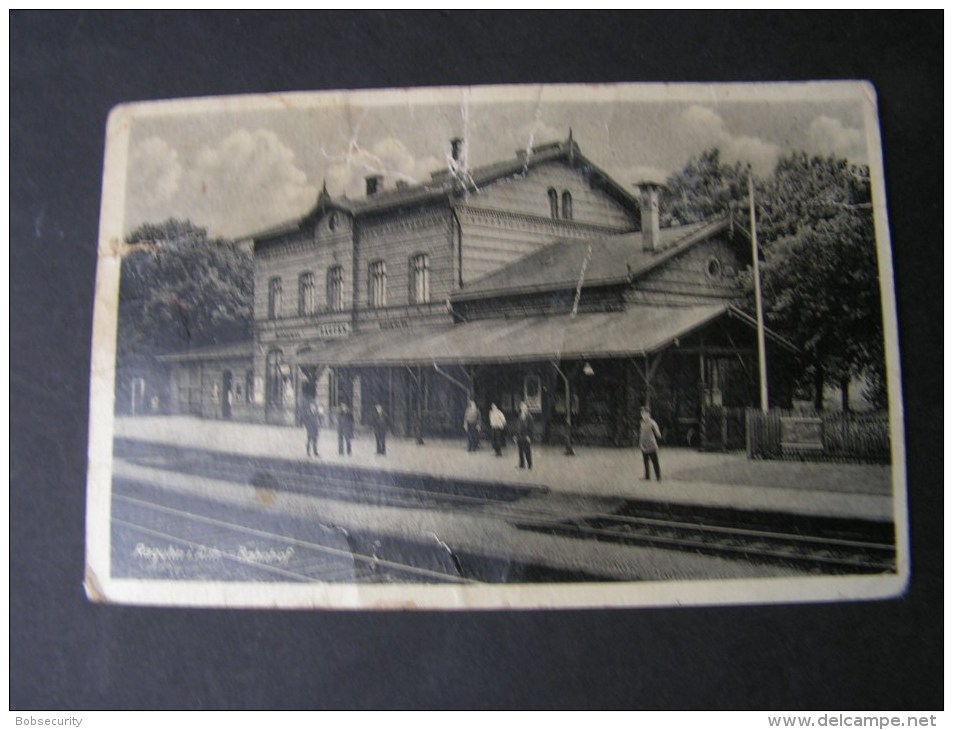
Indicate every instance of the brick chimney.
{"type": "Point", "coordinates": [374, 184]}
{"type": "Point", "coordinates": [650, 215]}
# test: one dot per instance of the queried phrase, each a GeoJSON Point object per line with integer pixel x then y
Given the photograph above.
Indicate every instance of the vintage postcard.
{"type": "Point", "coordinates": [497, 347]}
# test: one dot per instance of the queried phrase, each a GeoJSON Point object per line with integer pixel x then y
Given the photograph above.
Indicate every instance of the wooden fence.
{"type": "Point", "coordinates": [781, 434]}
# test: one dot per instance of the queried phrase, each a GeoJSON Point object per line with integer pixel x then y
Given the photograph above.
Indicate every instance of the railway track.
{"type": "Point", "coordinates": [818, 545]}
{"type": "Point", "coordinates": [385, 489]}
{"type": "Point", "coordinates": [204, 540]}
{"type": "Point", "coordinates": [812, 544]}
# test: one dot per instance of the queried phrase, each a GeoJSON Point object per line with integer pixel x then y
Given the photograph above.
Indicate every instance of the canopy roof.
{"type": "Point", "coordinates": [639, 330]}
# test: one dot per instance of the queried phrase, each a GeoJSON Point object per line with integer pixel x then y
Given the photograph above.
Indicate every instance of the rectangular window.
{"type": "Point", "coordinates": [335, 288]}
{"type": "Point", "coordinates": [274, 377]}
{"type": "Point", "coordinates": [274, 297]}
{"type": "Point", "coordinates": [306, 294]}
{"type": "Point", "coordinates": [377, 285]}
{"type": "Point", "coordinates": [334, 389]}
{"type": "Point", "coordinates": [250, 386]}
{"type": "Point", "coordinates": [420, 279]}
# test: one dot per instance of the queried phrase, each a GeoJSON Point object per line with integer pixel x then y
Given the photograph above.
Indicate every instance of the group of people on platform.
{"type": "Point", "coordinates": [523, 432]}
{"type": "Point", "coordinates": [313, 418]}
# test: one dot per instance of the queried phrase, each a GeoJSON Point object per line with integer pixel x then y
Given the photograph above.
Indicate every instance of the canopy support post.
{"type": "Point", "coordinates": [569, 449]}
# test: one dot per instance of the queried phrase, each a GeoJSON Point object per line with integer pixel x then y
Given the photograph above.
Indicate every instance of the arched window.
{"type": "Point", "coordinates": [567, 205]}
{"type": "Point", "coordinates": [306, 294]}
{"type": "Point", "coordinates": [553, 203]}
{"type": "Point", "coordinates": [274, 297]}
{"type": "Point", "coordinates": [376, 285]}
{"type": "Point", "coordinates": [335, 288]}
{"type": "Point", "coordinates": [419, 279]}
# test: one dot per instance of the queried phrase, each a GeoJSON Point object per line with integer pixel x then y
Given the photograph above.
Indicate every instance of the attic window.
{"type": "Point", "coordinates": [567, 205]}
{"type": "Point", "coordinates": [713, 267]}
{"type": "Point", "coordinates": [333, 221]}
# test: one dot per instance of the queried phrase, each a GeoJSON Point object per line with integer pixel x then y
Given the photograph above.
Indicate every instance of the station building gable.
{"type": "Point", "coordinates": [459, 227]}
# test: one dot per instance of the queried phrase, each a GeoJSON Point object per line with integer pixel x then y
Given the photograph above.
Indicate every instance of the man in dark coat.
{"type": "Point", "coordinates": [312, 425]}
{"type": "Point", "coordinates": [378, 422]}
{"type": "Point", "coordinates": [345, 428]}
{"type": "Point", "coordinates": [524, 436]}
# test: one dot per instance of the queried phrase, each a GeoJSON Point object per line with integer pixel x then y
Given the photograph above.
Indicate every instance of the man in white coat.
{"type": "Point", "coordinates": [649, 434]}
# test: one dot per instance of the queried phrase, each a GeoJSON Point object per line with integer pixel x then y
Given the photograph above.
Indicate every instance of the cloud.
{"type": "Point", "coordinates": [155, 175]}
{"type": "Point", "coordinates": [760, 154]}
{"type": "Point", "coordinates": [157, 167]}
{"type": "Point", "coordinates": [702, 122]}
{"type": "Point", "coordinates": [627, 177]}
{"type": "Point", "coordinates": [830, 136]}
{"type": "Point", "coordinates": [248, 180]}
{"type": "Point", "coordinates": [388, 157]}
{"type": "Point", "coordinates": [245, 182]}
{"type": "Point", "coordinates": [703, 128]}
{"type": "Point", "coordinates": [537, 132]}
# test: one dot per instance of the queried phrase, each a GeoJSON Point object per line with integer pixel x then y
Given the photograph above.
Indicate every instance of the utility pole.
{"type": "Point", "coordinates": [762, 361]}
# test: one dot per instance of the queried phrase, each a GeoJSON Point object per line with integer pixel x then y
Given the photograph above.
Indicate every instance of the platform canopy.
{"type": "Point", "coordinates": [639, 330]}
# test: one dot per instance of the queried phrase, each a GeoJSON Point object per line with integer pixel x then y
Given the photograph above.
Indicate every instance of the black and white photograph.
{"type": "Point", "coordinates": [497, 347]}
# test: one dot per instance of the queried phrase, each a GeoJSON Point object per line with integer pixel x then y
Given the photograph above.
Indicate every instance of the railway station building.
{"type": "Point", "coordinates": [538, 279]}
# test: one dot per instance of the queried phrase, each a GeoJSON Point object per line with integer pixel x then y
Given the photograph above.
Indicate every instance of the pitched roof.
{"type": "Point", "coordinates": [444, 185]}
{"type": "Point", "coordinates": [613, 259]}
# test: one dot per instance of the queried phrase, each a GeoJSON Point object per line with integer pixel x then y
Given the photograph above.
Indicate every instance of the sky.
{"type": "Point", "coordinates": [238, 165]}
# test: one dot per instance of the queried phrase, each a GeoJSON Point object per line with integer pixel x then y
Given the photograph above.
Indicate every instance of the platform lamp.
{"type": "Point", "coordinates": [588, 372]}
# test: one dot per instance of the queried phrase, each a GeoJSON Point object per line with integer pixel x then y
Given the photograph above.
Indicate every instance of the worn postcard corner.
{"type": "Point", "coordinates": [497, 347]}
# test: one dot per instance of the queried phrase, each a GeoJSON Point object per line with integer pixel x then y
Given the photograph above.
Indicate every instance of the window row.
{"type": "Point", "coordinates": [418, 287]}
{"type": "Point", "coordinates": [418, 281]}
{"type": "Point", "coordinates": [306, 296]}
{"type": "Point", "coordinates": [554, 211]}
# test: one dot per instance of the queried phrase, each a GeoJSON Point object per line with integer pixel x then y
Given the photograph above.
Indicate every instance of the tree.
{"type": "Point", "coordinates": [805, 190]}
{"type": "Point", "coordinates": [815, 227]}
{"type": "Point", "coordinates": [821, 291]}
{"type": "Point", "coordinates": [706, 187]}
{"type": "Point", "coordinates": [820, 274]}
{"type": "Point", "coordinates": [181, 289]}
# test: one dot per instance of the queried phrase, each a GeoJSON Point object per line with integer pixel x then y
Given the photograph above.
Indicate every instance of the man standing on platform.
{"type": "Point", "coordinates": [471, 424]}
{"type": "Point", "coordinates": [524, 436]}
{"type": "Point", "coordinates": [379, 424]}
{"type": "Point", "coordinates": [345, 428]}
{"type": "Point", "coordinates": [649, 434]}
{"type": "Point", "coordinates": [312, 425]}
{"type": "Point", "coordinates": [497, 424]}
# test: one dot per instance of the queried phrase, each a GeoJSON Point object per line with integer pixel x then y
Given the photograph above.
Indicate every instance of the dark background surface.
{"type": "Point", "coordinates": [69, 70]}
